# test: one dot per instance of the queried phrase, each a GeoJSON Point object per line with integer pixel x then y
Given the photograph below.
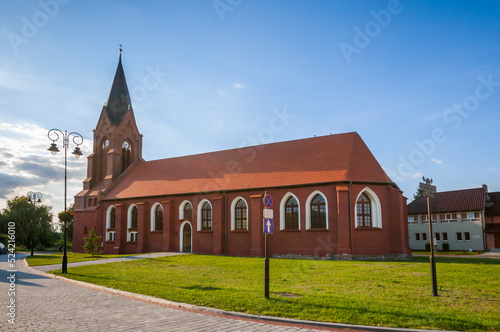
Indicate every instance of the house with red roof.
{"type": "Point", "coordinates": [331, 198]}
{"type": "Point", "coordinates": [465, 219]}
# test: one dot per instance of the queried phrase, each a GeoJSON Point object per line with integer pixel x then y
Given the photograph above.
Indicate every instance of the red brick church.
{"type": "Point", "coordinates": [331, 197]}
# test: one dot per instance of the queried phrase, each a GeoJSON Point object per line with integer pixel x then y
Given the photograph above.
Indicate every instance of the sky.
{"type": "Point", "coordinates": [419, 81]}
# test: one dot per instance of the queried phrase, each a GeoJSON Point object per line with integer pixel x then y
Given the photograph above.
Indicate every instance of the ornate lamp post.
{"type": "Point", "coordinates": [54, 135]}
{"type": "Point", "coordinates": [34, 197]}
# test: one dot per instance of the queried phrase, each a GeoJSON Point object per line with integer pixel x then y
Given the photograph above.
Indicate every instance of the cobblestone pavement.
{"type": "Point", "coordinates": [44, 303]}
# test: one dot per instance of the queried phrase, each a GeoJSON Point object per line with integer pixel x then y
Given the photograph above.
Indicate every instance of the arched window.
{"type": "Point", "coordinates": [241, 215]}
{"type": "Point", "coordinates": [368, 212]}
{"type": "Point", "coordinates": [318, 212]}
{"type": "Point", "coordinates": [206, 217]}
{"type": "Point", "coordinates": [112, 218]}
{"type": "Point", "coordinates": [126, 155]}
{"type": "Point", "coordinates": [85, 230]}
{"type": "Point", "coordinates": [133, 217]}
{"type": "Point", "coordinates": [110, 223]}
{"type": "Point", "coordinates": [292, 213]}
{"type": "Point", "coordinates": [158, 218]}
{"type": "Point", "coordinates": [188, 211]}
{"type": "Point", "coordinates": [363, 211]}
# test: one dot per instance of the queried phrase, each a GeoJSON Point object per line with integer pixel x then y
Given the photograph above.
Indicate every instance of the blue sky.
{"type": "Point", "coordinates": [418, 80]}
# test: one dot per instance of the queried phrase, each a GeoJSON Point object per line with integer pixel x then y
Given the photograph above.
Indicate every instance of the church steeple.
{"type": "Point", "coordinates": [118, 103]}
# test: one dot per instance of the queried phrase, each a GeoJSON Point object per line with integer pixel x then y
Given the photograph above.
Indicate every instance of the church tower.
{"type": "Point", "coordinates": [117, 144]}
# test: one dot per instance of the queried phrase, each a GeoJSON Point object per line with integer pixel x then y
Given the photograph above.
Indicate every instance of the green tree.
{"type": "Point", "coordinates": [417, 194]}
{"type": "Point", "coordinates": [93, 243]}
{"type": "Point", "coordinates": [69, 225]}
{"type": "Point", "coordinates": [32, 222]}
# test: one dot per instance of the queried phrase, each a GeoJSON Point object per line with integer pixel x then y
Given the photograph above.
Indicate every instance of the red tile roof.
{"type": "Point", "coordinates": [451, 201]}
{"type": "Point", "coordinates": [331, 158]}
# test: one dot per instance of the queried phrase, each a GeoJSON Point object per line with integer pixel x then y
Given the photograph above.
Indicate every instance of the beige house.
{"type": "Point", "coordinates": [458, 218]}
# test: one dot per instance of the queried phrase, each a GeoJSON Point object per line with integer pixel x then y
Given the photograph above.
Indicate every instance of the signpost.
{"type": "Point", "coordinates": [268, 227]}
{"type": "Point", "coordinates": [428, 190]}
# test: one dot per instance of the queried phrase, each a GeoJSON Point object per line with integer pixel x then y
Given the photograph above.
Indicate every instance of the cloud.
{"type": "Point", "coordinates": [493, 169]}
{"type": "Point", "coordinates": [239, 85]}
{"type": "Point", "coordinates": [437, 161]}
{"type": "Point", "coordinates": [220, 92]}
{"type": "Point", "coordinates": [8, 183]}
{"type": "Point", "coordinates": [416, 175]}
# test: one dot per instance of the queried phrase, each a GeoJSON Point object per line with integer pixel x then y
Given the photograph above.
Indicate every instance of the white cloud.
{"type": "Point", "coordinates": [437, 161]}
{"type": "Point", "coordinates": [220, 92]}
{"type": "Point", "coordinates": [416, 175]}
{"type": "Point", "coordinates": [26, 165]}
{"type": "Point", "coordinates": [239, 85]}
{"type": "Point", "coordinates": [494, 169]}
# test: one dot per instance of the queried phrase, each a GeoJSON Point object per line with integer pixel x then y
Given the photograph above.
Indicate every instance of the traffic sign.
{"type": "Point", "coordinates": [268, 201]}
{"type": "Point", "coordinates": [268, 226]}
{"type": "Point", "coordinates": [268, 213]}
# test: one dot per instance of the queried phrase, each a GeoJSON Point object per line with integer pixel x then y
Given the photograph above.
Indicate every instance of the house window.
{"type": "Point", "coordinates": [445, 236]}
{"type": "Point", "coordinates": [133, 237]}
{"type": "Point", "coordinates": [451, 217]}
{"type": "Point", "coordinates": [364, 211]}
{"type": "Point", "coordinates": [417, 236]}
{"type": "Point", "coordinates": [111, 236]}
{"type": "Point", "coordinates": [467, 236]}
{"type": "Point", "coordinates": [424, 236]}
{"type": "Point", "coordinates": [437, 236]}
{"type": "Point", "coordinates": [434, 218]}
{"type": "Point", "coordinates": [110, 223]}
{"type": "Point", "coordinates": [424, 218]}
{"type": "Point", "coordinates": [412, 220]}
{"type": "Point", "coordinates": [240, 215]}
{"type": "Point", "coordinates": [292, 213]}
{"type": "Point", "coordinates": [318, 212]}
{"type": "Point", "coordinates": [206, 217]}
{"type": "Point", "coordinates": [459, 236]}
{"type": "Point", "coordinates": [188, 211]}
{"type": "Point", "coordinates": [85, 230]}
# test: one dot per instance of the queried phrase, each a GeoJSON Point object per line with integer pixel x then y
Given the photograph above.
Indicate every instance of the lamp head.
{"type": "Point", "coordinates": [53, 148]}
{"type": "Point", "coordinates": [77, 152]}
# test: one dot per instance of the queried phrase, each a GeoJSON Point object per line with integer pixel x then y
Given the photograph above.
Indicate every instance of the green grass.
{"type": "Point", "coordinates": [382, 293]}
{"type": "Point", "coordinates": [72, 258]}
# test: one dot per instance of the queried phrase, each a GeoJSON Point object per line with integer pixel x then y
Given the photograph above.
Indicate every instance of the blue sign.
{"type": "Point", "coordinates": [268, 226]}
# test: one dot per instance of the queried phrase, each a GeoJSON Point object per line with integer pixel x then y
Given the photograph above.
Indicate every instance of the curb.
{"type": "Point", "coordinates": [226, 314]}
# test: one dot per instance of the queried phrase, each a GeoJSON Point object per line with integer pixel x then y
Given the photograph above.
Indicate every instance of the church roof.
{"type": "Point", "coordinates": [451, 201]}
{"type": "Point", "coordinates": [332, 158]}
{"type": "Point", "coordinates": [118, 102]}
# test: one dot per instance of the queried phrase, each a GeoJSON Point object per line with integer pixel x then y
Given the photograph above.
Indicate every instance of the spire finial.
{"type": "Point", "coordinates": [121, 49]}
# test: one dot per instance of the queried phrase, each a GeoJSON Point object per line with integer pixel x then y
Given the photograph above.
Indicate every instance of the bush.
{"type": "Point", "coordinates": [428, 247]}
{"type": "Point", "coordinates": [446, 246]}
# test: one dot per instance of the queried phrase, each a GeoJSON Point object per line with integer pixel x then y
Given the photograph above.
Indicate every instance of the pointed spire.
{"type": "Point", "coordinates": [118, 102]}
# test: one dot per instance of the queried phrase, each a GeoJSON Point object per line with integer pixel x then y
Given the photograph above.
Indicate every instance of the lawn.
{"type": "Point", "coordinates": [383, 293]}
{"type": "Point", "coordinates": [72, 258]}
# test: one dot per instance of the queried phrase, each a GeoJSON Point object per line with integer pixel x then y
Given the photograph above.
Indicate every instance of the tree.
{"type": "Point", "coordinates": [69, 224]}
{"type": "Point", "coordinates": [32, 223]}
{"type": "Point", "coordinates": [417, 194]}
{"type": "Point", "coordinates": [93, 243]}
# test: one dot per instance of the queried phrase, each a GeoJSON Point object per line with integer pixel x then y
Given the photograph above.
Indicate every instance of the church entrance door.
{"type": "Point", "coordinates": [186, 237]}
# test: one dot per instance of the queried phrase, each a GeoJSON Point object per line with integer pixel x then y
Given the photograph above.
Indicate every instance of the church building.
{"type": "Point", "coordinates": [331, 198]}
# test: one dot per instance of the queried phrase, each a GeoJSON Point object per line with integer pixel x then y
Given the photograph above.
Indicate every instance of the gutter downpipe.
{"type": "Point", "coordinates": [225, 223]}
{"type": "Point", "coordinates": [350, 218]}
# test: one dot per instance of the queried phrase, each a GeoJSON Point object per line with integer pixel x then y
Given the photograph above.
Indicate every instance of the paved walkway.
{"type": "Point", "coordinates": [47, 303]}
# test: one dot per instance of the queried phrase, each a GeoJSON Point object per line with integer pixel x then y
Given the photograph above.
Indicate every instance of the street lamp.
{"type": "Point", "coordinates": [33, 197]}
{"type": "Point", "coordinates": [54, 135]}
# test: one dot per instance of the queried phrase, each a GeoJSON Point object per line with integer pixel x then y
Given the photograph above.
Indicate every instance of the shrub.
{"type": "Point", "coordinates": [446, 246]}
{"type": "Point", "coordinates": [93, 243]}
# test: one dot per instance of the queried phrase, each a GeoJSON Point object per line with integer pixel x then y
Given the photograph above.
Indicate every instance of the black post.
{"type": "Point", "coordinates": [266, 269]}
{"type": "Point", "coordinates": [64, 268]}
{"type": "Point", "coordinates": [432, 258]}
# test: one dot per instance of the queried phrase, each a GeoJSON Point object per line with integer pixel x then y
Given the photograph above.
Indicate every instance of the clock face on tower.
{"type": "Point", "coordinates": [126, 145]}
{"type": "Point", "coordinates": [105, 144]}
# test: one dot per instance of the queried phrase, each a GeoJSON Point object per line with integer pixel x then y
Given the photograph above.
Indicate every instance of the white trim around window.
{"type": "Point", "coordinates": [199, 214]}
{"type": "Point", "coordinates": [233, 214]}
{"type": "Point", "coordinates": [283, 210]}
{"type": "Point", "coordinates": [308, 208]}
{"type": "Point", "coordinates": [375, 207]}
